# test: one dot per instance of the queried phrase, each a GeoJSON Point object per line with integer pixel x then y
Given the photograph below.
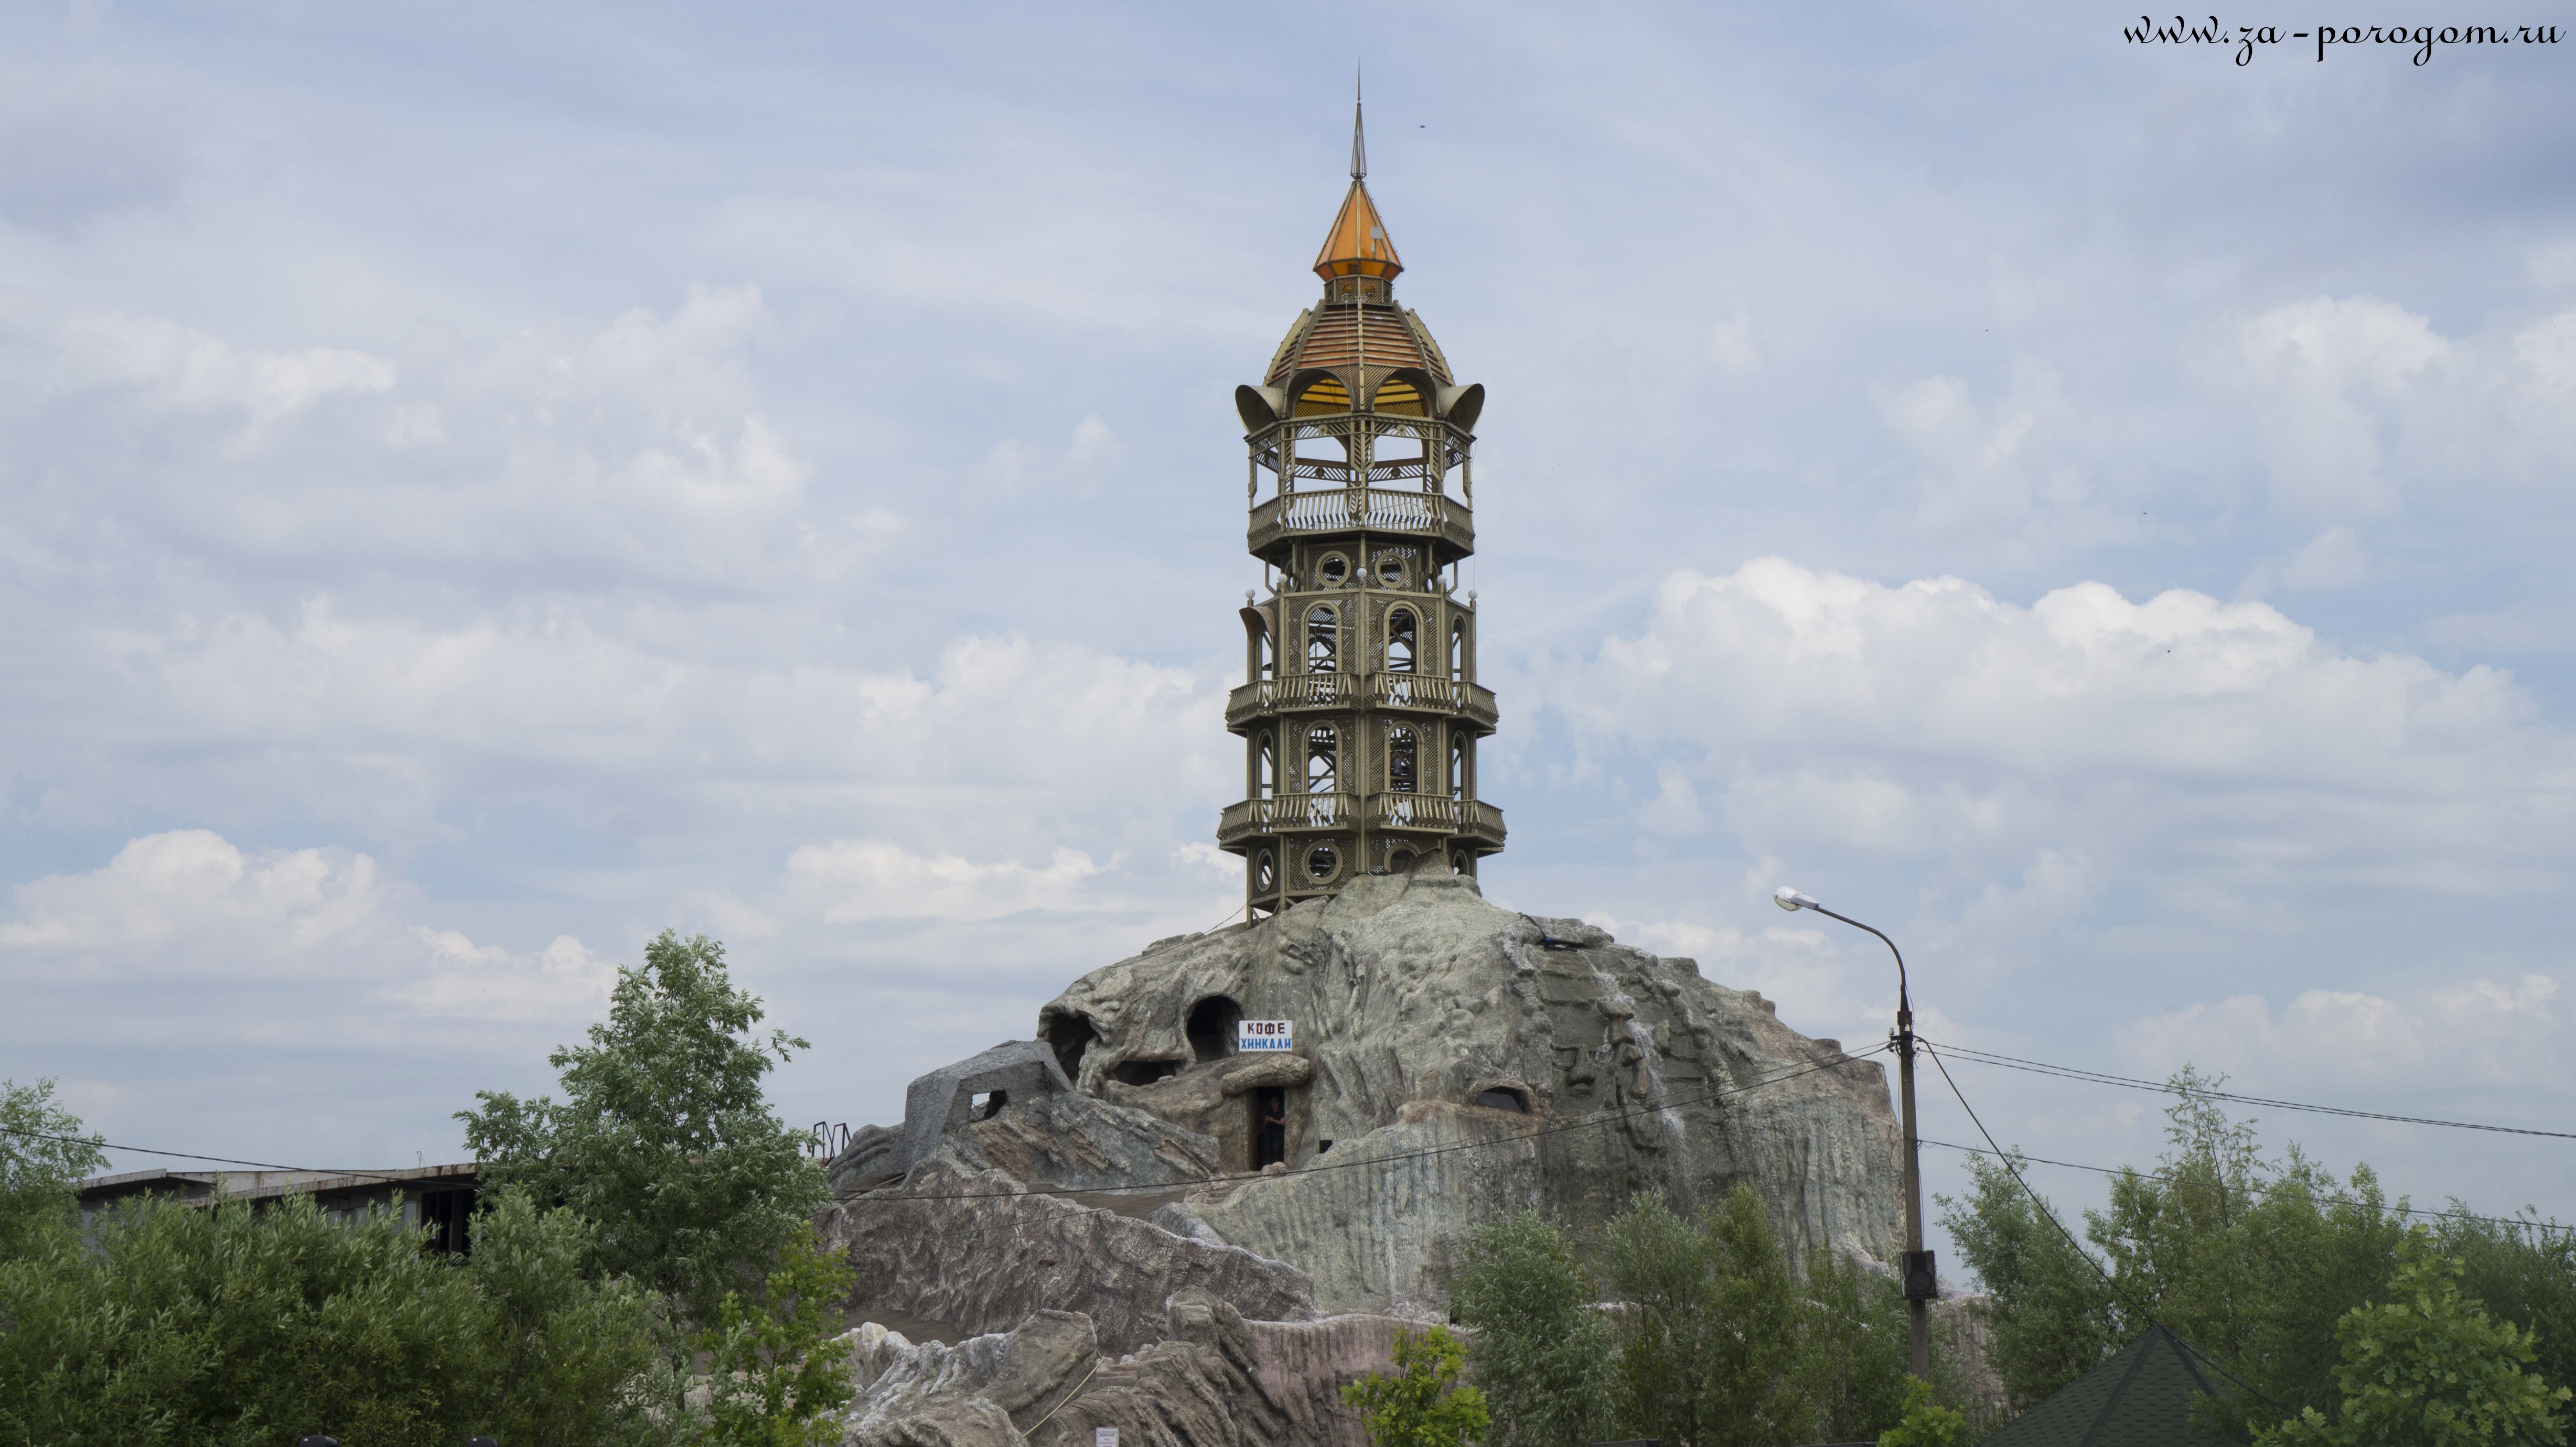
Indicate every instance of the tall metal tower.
{"type": "Point", "coordinates": [1361, 711]}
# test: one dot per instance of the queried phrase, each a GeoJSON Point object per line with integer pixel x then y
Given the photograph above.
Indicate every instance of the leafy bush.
{"type": "Point", "coordinates": [226, 1325]}
{"type": "Point", "coordinates": [2429, 1368]}
{"type": "Point", "coordinates": [1422, 1404]}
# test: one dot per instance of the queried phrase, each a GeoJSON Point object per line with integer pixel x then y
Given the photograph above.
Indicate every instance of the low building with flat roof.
{"type": "Point", "coordinates": [439, 1197]}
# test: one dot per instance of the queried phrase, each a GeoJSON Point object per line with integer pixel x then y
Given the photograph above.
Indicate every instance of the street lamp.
{"type": "Point", "coordinates": [1915, 1272]}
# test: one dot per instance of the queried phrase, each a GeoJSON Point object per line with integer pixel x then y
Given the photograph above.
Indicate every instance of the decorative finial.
{"type": "Point", "coordinates": [1359, 140]}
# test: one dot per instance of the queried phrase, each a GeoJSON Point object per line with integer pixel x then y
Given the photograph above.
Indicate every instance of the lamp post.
{"type": "Point", "coordinates": [1915, 1272]}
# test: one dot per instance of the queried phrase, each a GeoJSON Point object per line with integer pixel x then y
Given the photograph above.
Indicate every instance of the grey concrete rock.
{"type": "Point", "coordinates": [1215, 1378]}
{"type": "Point", "coordinates": [1549, 1065]}
{"type": "Point", "coordinates": [979, 1253]}
{"type": "Point", "coordinates": [1075, 1143]}
{"type": "Point", "coordinates": [938, 1104]}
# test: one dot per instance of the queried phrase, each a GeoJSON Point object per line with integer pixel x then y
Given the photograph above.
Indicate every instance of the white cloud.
{"type": "Point", "coordinates": [176, 366]}
{"type": "Point", "coordinates": [190, 906]}
{"type": "Point", "coordinates": [863, 879]}
{"type": "Point", "coordinates": [2332, 559]}
{"type": "Point", "coordinates": [2168, 740]}
{"type": "Point", "coordinates": [2478, 1033]}
{"type": "Point", "coordinates": [2321, 373]}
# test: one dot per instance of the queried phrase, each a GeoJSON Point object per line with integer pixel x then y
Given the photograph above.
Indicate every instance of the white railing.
{"type": "Point", "coordinates": [1285, 813]}
{"type": "Point", "coordinates": [1437, 812]}
{"type": "Point", "coordinates": [1432, 691]}
{"type": "Point", "coordinates": [1379, 509]}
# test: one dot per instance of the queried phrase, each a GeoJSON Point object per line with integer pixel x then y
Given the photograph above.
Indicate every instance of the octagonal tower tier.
{"type": "Point", "coordinates": [1361, 712]}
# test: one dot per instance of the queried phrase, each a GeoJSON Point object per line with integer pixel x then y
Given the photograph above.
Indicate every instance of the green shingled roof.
{"type": "Point", "coordinates": [2141, 1397]}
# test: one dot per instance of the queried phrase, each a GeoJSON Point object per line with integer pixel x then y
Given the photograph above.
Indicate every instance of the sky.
{"type": "Point", "coordinates": [480, 486]}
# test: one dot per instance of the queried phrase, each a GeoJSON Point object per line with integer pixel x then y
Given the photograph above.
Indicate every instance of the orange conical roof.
{"type": "Point", "coordinates": [1357, 244]}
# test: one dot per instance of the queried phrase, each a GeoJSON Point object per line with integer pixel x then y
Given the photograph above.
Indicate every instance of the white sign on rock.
{"type": "Point", "coordinates": [1104, 1437]}
{"type": "Point", "coordinates": [1263, 1035]}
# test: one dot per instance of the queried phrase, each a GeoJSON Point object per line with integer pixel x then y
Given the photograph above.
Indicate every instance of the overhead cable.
{"type": "Point", "coordinates": [2073, 1072]}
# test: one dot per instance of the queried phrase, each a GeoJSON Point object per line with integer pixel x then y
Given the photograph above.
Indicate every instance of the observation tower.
{"type": "Point", "coordinates": [1361, 712]}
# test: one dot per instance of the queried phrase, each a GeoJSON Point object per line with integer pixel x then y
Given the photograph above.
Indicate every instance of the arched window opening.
{"type": "Point", "coordinates": [1400, 862]}
{"type": "Point", "coordinates": [1323, 637]}
{"type": "Point", "coordinates": [1269, 655]}
{"type": "Point", "coordinates": [1399, 641]}
{"type": "Point", "coordinates": [1323, 759]}
{"type": "Point", "coordinates": [1462, 862]}
{"type": "Point", "coordinates": [1458, 650]}
{"type": "Point", "coordinates": [1211, 1028]}
{"type": "Point", "coordinates": [1070, 1036]}
{"type": "Point", "coordinates": [1266, 779]}
{"type": "Point", "coordinates": [1457, 768]}
{"type": "Point", "coordinates": [1400, 778]}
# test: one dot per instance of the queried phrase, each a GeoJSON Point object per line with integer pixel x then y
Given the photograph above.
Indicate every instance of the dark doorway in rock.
{"type": "Point", "coordinates": [1211, 1028]}
{"type": "Point", "coordinates": [1144, 1072]}
{"type": "Point", "coordinates": [1070, 1036]}
{"type": "Point", "coordinates": [1501, 1098]}
{"type": "Point", "coordinates": [987, 1106]}
{"type": "Point", "coordinates": [1269, 1126]}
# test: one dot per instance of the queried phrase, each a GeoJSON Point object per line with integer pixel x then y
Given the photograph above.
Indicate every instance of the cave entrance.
{"type": "Point", "coordinates": [1269, 1126]}
{"type": "Point", "coordinates": [1211, 1028]}
{"type": "Point", "coordinates": [1070, 1036]}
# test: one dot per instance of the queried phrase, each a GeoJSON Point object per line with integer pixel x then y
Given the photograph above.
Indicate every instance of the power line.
{"type": "Point", "coordinates": [2264, 1189]}
{"type": "Point", "coordinates": [108, 1145]}
{"type": "Point", "coordinates": [2073, 1072]}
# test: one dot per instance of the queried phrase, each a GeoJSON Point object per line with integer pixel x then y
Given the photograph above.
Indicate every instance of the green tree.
{"type": "Point", "coordinates": [664, 1140]}
{"type": "Point", "coordinates": [1422, 1404]}
{"type": "Point", "coordinates": [2430, 1368]}
{"type": "Point", "coordinates": [1541, 1349]}
{"type": "Point", "coordinates": [43, 1156]}
{"type": "Point", "coordinates": [1712, 1345]}
{"type": "Point", "coordinates": [233, 1325]}
{"type": "Point", "coordinates": [2250, 1260]}
{"type": "Point", "coordinates": [1926, 1423]}
{"type": "Point", "coordinates": [771, 1380]}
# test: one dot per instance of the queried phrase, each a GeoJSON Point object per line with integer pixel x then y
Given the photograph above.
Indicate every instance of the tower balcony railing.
{"type": "Point", "coordinates": [1285, 814]}
{"type": "Point", "coordinates": [1437, 814]}
{"type": "Point", "coordinates": [1350, 509]}
{"type": "Point", "coordinates": [1293, 693]}
{"type": "Point", "coordinates": [1436, 693]}
{"type": "Point", "coordinates": [1312, 692]}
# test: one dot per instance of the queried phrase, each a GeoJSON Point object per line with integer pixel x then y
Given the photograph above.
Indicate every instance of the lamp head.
{"type": "Point", "coordinates": [1790, 899]}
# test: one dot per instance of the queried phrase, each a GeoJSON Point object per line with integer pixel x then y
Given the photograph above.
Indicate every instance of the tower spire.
{"type": "Point", "coordinates": [1359, 138]}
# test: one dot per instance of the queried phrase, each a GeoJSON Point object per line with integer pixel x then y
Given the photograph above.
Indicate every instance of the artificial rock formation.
{"type": "Point", "coordinates": [1111, 1217]}
{"type": "Point", "coordinates": [1459, 1060]}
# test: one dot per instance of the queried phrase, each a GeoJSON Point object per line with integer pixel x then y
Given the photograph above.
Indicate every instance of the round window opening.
{"type": "Point", "coordinates": [1400, 861]}
{"type": "Point", "coordinates": [1264, 879]}
{"type": "Point", "coordinates": [1321, 862]}
{"type": "Point", "coordinates": [1334, 569]}
{"type": "Point", "coordinates": [1390, 570]}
